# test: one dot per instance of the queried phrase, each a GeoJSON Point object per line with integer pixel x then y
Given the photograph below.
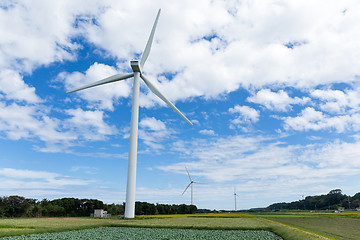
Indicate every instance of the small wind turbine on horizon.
{"type": "Point", "coordinates": [235, 195]}
{"type": "Point", "coordinates": [192, 182]}
{"type": "Point", "coordinates": [136, 66]}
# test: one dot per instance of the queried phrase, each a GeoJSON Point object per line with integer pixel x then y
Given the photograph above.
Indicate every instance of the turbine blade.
{"type": "Point", "coordinates": [186, 188]}
{"type": "Point", "coordinates": [113, 78]}
{"type": "Point", "coordinates": [188, 174]}
{"type": "Point", "coordinates": [199, 183]}
{"type": "Point", "coordinates": [162, 97]}
{"type": "Point", "coordinates": [149, 42]}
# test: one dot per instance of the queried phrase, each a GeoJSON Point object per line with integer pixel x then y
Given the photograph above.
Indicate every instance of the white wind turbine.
{"type": "Point", "coordinates": [235, 195]}
{"type": "Point", "coordinates": [190, 184]}
{"type": "Point", "coordinates": [136, 66]}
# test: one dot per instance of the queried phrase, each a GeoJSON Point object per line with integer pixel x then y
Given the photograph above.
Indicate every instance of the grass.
{"type": "Point", "coordinates": [207, 215]}
{"type": "Point", "coordinates": [344, 225]}
{"type": "Point", "coordinates": [352, 214]}
{"type": "Point", "coordinates": [288, 225]}
{"type": "Point", "coordinates": [335, 227]}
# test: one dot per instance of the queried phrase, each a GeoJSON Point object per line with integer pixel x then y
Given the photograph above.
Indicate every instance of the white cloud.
{"type": "Point", "coordinates": [254, 56]}
{"type": "Point", "coordinates": [153, 132]}
{"type": "Point", "coordinates": [152, 124]}
{"type": "Point", "coordinates": [26, 174]}
{"type": "Point", "coordinates": [218, 41]}
{"type": "Point", "coordinates": [263, 165]}
{"type": "Point", "coordinates": [33, 35]}
{"type": "Point", "coordinates": [221, 40]}
{"type": "Point", "coordinates": [104, 96]}
{"type": "Point", "coordinates": [310, 119]}
{"type": "Point", "coordinates": [28, 179]}
{"type": "Point", "coordinates": [18, 122]}
{"type": "Point", "coordinates": [246, 115]}
{"type": "Point", "coordinates": [207, 132]}
{"type": "Point", "coordinates": [278, 101]}
{"type": "Point", "coordinates": [89, 125]}
{"type": "Point", "coordinates": [207, 50]}
{"type": "Point", "coordinates": [14, 88]}
{"type": "Point", "coordinates": [338, 102]}
{"type": "Point", "coordinates": [43, 184]}
{"type": "Point", "coordinates": [85, 169]}
{"type": "Point", "coordinates": [336, 155]}
{"type": "Point", "coordinates": [40, 32]}
{"type": "Point", "coordinates": [32, 122]}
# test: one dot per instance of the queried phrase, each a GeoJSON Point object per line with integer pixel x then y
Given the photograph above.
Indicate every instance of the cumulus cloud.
{"type": "Point", "coordinates": [310, 119]}
{"type": "Point", "coordinates": [17, 122]}
{"type": "Point", "coordinates": [217, 40]}
{"type": "Point", "coordinates": [104, 96]}
{"type": "Point", "coordinates": [246, 115]}
{"type": "Point", "coordinates": [89, 125]}
{"type": "Point", "coordinates": [152, 124]}
{"type": "Point", "coordinates": [276, 101]}
{"type": "Point", "coordinates": [14, 88]}
{"type": "Point", "coordinates": [153, 132]}
{"type": "Point", "coordinates": [32, 122]}
{"type": "Point", "coordinates": [40, 32]}
{"type": "Point", "coordinates": [204, 52]}
{"type": "Point", "coordinates": [221, 40]}
{"type": "Point", "coordinates": [34, 35]}
{"type": "Point", "coordinates": [209, 132]}
{"type": "Point", "coordinates": [338, 102]}
{"type": "Point", "coordinates": [257, 56]}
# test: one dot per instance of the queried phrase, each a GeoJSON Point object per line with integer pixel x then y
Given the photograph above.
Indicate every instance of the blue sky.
{"type": "Point", "coordinates": [272, 88]}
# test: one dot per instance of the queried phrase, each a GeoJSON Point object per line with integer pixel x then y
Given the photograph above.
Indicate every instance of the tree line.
{"type": "Point", "coordinates": [17, 206]}
{"type": "Point", "coordinates": [331, 201]}
{"type": "Point", "coordinates": [144, 208]}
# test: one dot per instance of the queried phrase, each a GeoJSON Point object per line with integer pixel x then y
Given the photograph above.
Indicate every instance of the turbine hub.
{"type": "Point", "coordinates": [135, 65]}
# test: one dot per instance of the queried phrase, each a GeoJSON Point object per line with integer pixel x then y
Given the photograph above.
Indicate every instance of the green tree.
{"type": "Point", "coordinates": [16, 206]}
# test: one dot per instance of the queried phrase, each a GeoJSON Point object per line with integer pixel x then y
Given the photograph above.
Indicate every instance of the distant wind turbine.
{"type": "Point", "coordinates": [136, 66]}
{"type": "Point", "coordinates": [235, 195]}
{"type": "Point", "coordinates": [190, 184]}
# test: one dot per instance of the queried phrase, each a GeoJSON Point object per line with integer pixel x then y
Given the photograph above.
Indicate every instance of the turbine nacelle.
{"type": "Point", "coordinates": [135, 65]}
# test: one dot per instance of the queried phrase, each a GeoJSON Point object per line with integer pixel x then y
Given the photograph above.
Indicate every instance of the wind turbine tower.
{"type": "Point", "coordinates": [235, 195]}
{"type": "Point", "coordinates": [137, 73]}
{"type": "Point", "coordinates": [192, 182]}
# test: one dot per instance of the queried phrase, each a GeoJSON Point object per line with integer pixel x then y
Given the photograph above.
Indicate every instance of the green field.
{"type": "Point", "coordinates": [344, 225]}
{"type": "Point", "coordinates": [286, 225]}
{"type": "Point", "coordinates": [110, 233]}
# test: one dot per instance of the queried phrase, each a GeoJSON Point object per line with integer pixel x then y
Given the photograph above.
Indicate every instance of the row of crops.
{"type": "Point", "coordinates": [108, 233]}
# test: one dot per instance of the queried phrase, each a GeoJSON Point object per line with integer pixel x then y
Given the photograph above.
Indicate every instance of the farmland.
{"type": "Point", "coordinates": [344, 225]}
{"type": "Point", "coordinates": [287, 225]}
{"type": "Point", "coordinates": [151, 233]}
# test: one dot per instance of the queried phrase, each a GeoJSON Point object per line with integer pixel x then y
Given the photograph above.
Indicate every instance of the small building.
{"type": "Point", "coordinates": [100, 213]}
